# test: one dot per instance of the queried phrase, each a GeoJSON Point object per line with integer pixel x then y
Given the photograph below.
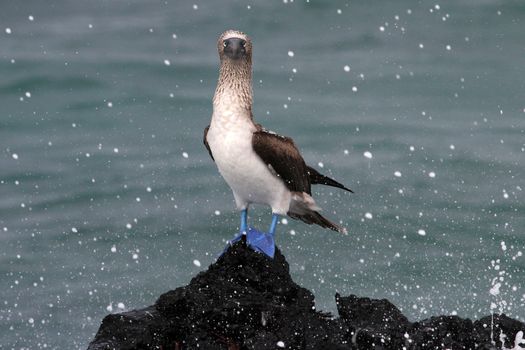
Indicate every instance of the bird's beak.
{"type": "Point", "coordinates": [234, 48]}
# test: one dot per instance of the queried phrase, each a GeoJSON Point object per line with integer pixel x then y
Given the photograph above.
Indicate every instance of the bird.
{"type": "Point", "coordinates": [260, 166]}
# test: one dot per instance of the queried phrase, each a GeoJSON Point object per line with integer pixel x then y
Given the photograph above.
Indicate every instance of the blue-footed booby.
{"type": "Point", "coordinates": [259, 165]}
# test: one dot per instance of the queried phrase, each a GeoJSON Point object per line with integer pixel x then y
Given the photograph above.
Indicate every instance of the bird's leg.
{"type": "Point", "coordinates": [243, 231]}
{"type": "Point", "coordinates": [244, 221]}
{"type": "Point", "coordinates": [275, 218]}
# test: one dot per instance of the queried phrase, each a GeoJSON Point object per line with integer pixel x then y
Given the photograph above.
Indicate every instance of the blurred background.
{"type": "Point", "coordinates": [108, 197]}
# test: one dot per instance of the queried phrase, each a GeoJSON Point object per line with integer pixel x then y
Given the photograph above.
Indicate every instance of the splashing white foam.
{"type": "Point", "coordinates": [495, 289]}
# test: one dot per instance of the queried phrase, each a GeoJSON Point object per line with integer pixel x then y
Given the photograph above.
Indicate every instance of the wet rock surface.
{"type": "Point", "coordinates": [248, 301]}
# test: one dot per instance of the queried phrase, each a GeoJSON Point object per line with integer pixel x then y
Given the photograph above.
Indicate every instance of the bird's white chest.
{"type": "Point", "coordinates": [230, 141]}
{"type": "Point", "coordinates": [231, 146]}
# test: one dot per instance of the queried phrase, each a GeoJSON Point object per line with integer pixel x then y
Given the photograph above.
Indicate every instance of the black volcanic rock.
{"type": "Point", "coordinates": [248, 301]}
{"type": "Point", "coordinates": [137, 329]}
{"type": "Point", "coordinates": [496, 325]}
{"type": "Point", "coordinates": [373, 322]}
{"type": "Point", "coordinates": [444, 332]}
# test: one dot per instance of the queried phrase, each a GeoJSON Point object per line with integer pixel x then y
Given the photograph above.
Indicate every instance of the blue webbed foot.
{"type": "Point", "coordinates": [259, 241]}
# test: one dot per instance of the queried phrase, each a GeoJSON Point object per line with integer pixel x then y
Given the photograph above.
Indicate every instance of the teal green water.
{"type": "Point", "coordinates": [99, 205]}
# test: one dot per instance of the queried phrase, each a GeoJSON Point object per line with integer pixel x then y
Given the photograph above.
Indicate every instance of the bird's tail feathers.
{"type": "Point", "coordinates": [316, 178]}
{"type": "Point", "coordinates": [303, 208]}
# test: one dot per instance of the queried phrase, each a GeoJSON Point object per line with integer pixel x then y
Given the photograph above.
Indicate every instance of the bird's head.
{"type": "Point", "coordinates": [234, 45]}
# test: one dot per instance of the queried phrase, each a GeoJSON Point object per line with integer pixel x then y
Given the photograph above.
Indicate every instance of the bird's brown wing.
{"type": "Point", "coordinates": [283, 158]}
{"type": "Point", "coordinates": [206, 141]}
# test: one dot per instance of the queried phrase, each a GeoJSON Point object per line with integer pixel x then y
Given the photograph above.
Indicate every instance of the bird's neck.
{"type": "Point", "coordinates": [234, 88]}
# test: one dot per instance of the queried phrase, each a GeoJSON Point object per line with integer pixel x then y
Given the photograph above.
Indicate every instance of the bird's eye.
{"type": "Point", "coordinates": [243, 43]}
{"type": "Point", "coordinates": [224, 43]}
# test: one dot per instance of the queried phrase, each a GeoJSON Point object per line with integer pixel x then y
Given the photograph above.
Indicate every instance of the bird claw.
{"type": "Point", "coordinates": [259, 241]}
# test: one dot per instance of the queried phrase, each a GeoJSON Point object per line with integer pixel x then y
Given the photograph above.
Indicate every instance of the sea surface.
{"type": "Point", "coordinates": [108, 197]}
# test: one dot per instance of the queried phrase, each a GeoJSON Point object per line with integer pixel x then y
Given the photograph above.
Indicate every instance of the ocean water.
{"type": "Point", "coordinates": [108, 197]}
